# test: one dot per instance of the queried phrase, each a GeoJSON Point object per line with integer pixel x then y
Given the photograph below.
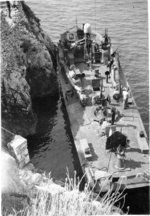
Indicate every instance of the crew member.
{"type": "Point", "coordinates": [125, 98]}
{"type": "Point", "coordinates": [9, 8]}
{"type": "Point", "coordinates": [88, 44]}
{"type": "Point", "coordinates": [113, 112]}
{"type": "Point", "coordinates": [107, 75]}
{"type": "Point", "coordinates": [108, 99]}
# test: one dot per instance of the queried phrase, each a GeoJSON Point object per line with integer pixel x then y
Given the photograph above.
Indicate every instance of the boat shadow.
{"type": "Point", "coordinates": [125, 126]}
{"type": "Point", "coordinates": [94, 155]}
{"type": "Point", "coordinates": [132, 164]}
{"type": "Point", "coordinates": [133, 150]}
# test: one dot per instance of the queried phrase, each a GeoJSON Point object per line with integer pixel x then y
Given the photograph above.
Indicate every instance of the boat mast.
{"type": "Point", "coordinates": [95, 16]}
{"type": "Point", "coordinates": [76, 27]}
{"type": "Point", "coordinates": [76, 23]}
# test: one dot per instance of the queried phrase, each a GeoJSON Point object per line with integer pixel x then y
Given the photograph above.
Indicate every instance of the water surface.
{"type": "Point", "coordinates": [127, 22]}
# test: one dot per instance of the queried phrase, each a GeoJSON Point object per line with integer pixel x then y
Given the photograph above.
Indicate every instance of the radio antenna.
{"type": "Point", "coordinates": [95, 16]}
{"type": "Point", "coordinates": [76, 23]}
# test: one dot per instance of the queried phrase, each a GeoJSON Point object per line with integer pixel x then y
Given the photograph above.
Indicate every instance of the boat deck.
{"type": "Point", "coordinates": [83, 125]}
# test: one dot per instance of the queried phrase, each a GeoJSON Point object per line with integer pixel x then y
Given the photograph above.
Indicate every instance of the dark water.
{"type": "Point", "coordinates": [52, 149]}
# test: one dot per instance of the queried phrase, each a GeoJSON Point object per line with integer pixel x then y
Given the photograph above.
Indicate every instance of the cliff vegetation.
{"type": "Point", "coordinates": [25, 192]}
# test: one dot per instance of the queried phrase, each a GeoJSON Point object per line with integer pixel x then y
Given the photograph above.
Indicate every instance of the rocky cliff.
{"type": "Point", "coordinates": [26, 192]}
{"type": "Point", "coordinates": [28, 66]}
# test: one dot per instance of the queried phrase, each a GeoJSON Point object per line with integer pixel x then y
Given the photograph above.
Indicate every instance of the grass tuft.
{"type": "Point", "coordinates": [70, 201]}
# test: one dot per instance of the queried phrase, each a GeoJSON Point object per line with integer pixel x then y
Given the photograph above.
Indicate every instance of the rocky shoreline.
{"type": "Point", "coordinates": [28, 67]}
{"type": "Point", "coordinates": [20, 186]}
{"type": "Point", "coordinates": [26, 192]}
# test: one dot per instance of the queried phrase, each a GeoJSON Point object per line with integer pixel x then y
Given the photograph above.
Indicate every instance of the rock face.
{"type": "Point", "coordinates": [28, 66]}
{"type": "Point", "coordinates": [10, 182]}
{"type": "Point", "coordinates": [28, 191]}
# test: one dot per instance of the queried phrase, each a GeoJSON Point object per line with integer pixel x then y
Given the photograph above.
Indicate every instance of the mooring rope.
{"type": "Point", "coordinates": [8, 131]}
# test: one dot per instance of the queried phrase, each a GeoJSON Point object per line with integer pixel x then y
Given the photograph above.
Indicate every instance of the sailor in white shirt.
{"type": "Point", "coordinates": [125, 98]}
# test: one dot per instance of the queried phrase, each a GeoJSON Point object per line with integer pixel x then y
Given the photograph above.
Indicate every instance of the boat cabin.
{"type": "Point", "coordinates": [81, 45]}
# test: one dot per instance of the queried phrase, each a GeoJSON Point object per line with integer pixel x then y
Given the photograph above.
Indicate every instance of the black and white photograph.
{"type": "Point", "coordinates": [75, 107]}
